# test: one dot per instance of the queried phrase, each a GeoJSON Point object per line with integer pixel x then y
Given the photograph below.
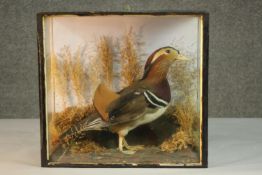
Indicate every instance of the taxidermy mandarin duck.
{"type": "Point", "coordinates": [140, 103]}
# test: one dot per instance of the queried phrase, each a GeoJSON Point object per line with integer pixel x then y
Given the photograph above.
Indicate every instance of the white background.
{"type": "Point", "coordinates": [180, 32]}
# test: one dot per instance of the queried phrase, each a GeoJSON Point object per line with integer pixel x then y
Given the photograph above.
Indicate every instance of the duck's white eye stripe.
{"type": "Point", "coordinates": [157, 55]}
{"type": "Point", "coordinates": [154, 59]}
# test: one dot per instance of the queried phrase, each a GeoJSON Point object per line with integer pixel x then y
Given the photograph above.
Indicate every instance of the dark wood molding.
{"type": "Point", "coordinates": [41, 64]}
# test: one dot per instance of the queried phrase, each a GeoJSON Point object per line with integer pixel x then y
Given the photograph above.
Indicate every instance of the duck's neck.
{"type": "Point", "coordinates": [156, 73]}
{"type": "Point", "coordinates": [160, 87]}
{"type": "Point", "coordinates": [155, 76]}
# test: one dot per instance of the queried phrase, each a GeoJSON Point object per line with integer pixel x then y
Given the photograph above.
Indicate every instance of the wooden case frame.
{"type": "Point", "coordinates": [42, 95]}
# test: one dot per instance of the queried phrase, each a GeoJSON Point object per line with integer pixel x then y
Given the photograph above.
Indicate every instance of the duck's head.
{"type": "Point", "coordinates": [158, 62]}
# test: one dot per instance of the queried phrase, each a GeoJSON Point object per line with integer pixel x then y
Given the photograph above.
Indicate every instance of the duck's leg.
{"type": "Point", "coordinates": [132, 148]}
{"type": "Point", "coordinates": [121, 142]}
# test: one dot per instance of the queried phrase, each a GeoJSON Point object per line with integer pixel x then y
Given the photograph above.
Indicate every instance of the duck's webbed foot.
{"type": "Point", "coordinates": [133, 148]}
{"type": "Point", "coordinates": [129, 149]}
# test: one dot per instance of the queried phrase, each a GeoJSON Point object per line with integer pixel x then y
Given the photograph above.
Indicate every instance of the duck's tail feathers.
{"type": "Point", "coordinates": [91, 122]}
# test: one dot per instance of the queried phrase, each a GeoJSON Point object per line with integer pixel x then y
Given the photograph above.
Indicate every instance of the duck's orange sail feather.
{"type": "Point", "coordinates": [102, 98]}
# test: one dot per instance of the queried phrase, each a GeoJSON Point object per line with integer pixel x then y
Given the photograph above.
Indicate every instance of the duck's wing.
{"type": "Point", "coordinates": [134, 104]}
{"type": "Point", "coordinates": [127, 107]}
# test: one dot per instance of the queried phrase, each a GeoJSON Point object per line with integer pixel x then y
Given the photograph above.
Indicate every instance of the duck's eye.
{"type": "Point", "coordinates": [167, 51]}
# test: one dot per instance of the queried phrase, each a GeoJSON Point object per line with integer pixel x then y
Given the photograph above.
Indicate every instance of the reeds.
{"type": "Point", "coordinates": [94, 76]}
{"type": "Point", "coordinates": [61, 77]}
{"type": "Point", "coordinates": [105, 53]}
{"type": "Point", "coordinates": [71, 79]}
{"type": "Point", "coordinates": [57, 81]}
{"type": "Point", "coordinates": [130, 68]}
{"type": "Point", "coordinates": [78, 77]}
{"type": "Point", "coordinates": [70, 76]}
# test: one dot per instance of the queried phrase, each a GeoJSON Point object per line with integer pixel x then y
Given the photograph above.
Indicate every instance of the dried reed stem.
{"type": "Point", "coordinates": [61, 79]}
{"type": "Point", "coordinates": [105, 53]}
{"type": "Point", "coordinates": [71, 73]}
{"type": "Point", "coordinates": [78, 77]}
{"type": "Point", "coordinates": [131, 69]}
{"type": "Point", "coordinates": [94, 74]}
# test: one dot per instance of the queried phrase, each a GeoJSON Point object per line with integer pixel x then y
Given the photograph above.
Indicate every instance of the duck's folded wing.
{"type": "Point", "coordinates": [127, 107]}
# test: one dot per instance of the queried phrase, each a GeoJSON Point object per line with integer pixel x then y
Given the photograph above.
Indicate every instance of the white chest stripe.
{"type": "Point", "coordinates": [151, 101]}
{"type": "Point", "coordinates": [157, 98]}
{"type": "Point", "coordinates": [154, 100]}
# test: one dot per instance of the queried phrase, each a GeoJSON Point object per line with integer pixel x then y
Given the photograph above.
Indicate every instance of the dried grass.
{"type": "Point", "coordinates": [58, 87]}
{"type": "Point", "coordinates": [60, 74]}
{"type": "Point", "coordinates": [70, 116]}
{"type": "Point", "coordinates": [62, 121]}
{"type": "Point", "coordinates": [183, 78]}
{"type": "Point", "coordinates": [131, 70]}
{"type": "Point", "coordinates": [94, 76]}
{"type": "Point", "coordinates": [78, 77]}
{"type": "Point", "coordinates": [54, 135]}
{"type": "Point", "coordinates": [185, 111]}
{"type": "Point", "coordinates": [67, 71]}
{"type": "Point", "coordinates": [178, 141]}
{"type": "Point", "coordinates": [105, 53]}
{"type": "Point", "coordinates": [185, 114]}
{"type": "Point", "coordinates": [86, 146]}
